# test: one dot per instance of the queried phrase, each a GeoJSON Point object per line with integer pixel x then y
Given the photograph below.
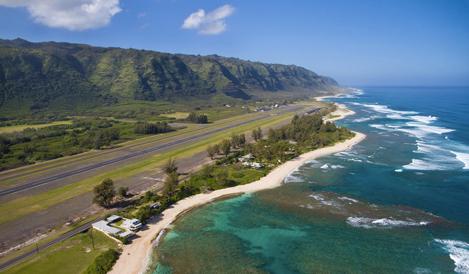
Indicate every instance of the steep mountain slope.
{"type": "Point", "coordinates": [36, 77]}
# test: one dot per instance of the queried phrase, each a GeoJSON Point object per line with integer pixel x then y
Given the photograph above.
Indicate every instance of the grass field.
{"type": "Point", "coordinates": [176, 115]}
{"type": "Point", "coordinates": [68, 257]}
{"type": "Point", "coordinates": [19, 128]}
{"type": "Point", "coordinates": [29, 204]}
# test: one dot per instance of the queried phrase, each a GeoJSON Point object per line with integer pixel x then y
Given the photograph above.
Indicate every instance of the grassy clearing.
{"type": "Point", "coordinates": [176, 115]}
{"type": "Point", "coordinates": [70, 256]}
{"type": "Point", "coordinates": [19, 128]}
{"type": "Point", "coordinates": [29, 204]}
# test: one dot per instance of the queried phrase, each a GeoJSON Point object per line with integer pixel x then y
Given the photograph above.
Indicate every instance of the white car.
{"type": "Point", "coordinates": [132, 224]}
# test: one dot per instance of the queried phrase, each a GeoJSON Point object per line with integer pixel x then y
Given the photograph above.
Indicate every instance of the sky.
{"type": "Point", "coordinates": [358, 43]}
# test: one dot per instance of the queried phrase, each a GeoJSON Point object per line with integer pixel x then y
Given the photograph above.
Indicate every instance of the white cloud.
{"type": "Point", "coordinates": [210, 23]}
{"type": "Point", "coordinates": [69, 14]}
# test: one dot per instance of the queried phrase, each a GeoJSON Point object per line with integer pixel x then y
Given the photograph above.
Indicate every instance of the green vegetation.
{"type": "Point", "coordinates": [56, 79]}
{"type": "Point", "coordinates": [46, 143]}
{"type": "Point", "coordinates": [197, 118]}
{"type": "Point", "coordinates": [257, 134]}
{"type": "Point", "coordinates": [19, 126]}
{"type": "Point", "coordinates": [152, 128]}
{"type": "Point", "coordinates": [104, 193]}
{"type": "Point", "coordinates": [103, 263]}
{"type": "Point", "coordinates": [230, 169]}
{"type": "Point", "coordinates": [239, 162]}
{"type": "Point", "coordinates": [123, 191]}
{"type": "Point", "coordinates": [28, 204]}
{"type": "Point", "coordinates": [68, 257]}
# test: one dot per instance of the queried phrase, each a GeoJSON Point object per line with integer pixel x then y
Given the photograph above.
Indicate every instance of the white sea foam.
{"type": "Point", "coordinates": [430, 129]}
{"type": "Point", "coordinates": [436, 153]}
{"type": "Point", "coordinates": [398, 170]}
{"type": "Point", "coordinates": [386, 110]}
{"type": "Point", "coordinates": [292, 179]}
{"type": "Point", "coordinates": [327, 166]}
{"type": "Point", "coordinates": [396, 116]}
{"type": "Point", "coordinates": [424, 119]}
{"type": "Point", "coordinates": [344, 198]}
{"type": "Point", "coordinates": [323, 201]}
{"type": "Point", "coordinates": [365, 222]}
{"type": "Point", "coordinates": [462, 157]}
{"type": "Point", "coordinates": [381, 127]}
{"type": "Point", "coordinates": [311, 162]}
{"type": "Point", "coordinates": [365, 119]}
{"type": "Point", "coordinates": [418, 164]}
{"type": "Point", "coordinates": [427, 148]}
{"type": "Point", "coordinates": [458, 252]}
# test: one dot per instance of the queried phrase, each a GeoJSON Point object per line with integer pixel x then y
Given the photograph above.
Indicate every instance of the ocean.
{"type": "Point", "coordinates": [396, 203]}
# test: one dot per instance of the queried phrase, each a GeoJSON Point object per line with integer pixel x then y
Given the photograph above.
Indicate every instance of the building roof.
{"type": "Point", "coordinates": [103, 226]}
{"type": "Point", "coordinates": [113, 218]}
{"type": "Point", "coordinates": [125, 234]}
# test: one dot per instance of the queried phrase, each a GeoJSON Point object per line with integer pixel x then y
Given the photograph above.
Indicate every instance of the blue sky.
{"type": "Point", "coordinates": [411, 42]}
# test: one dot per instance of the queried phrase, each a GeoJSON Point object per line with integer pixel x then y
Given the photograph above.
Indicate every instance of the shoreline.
{"type": "Point", "coordinates": [135, 257]}
{"type": "Point", "coordinates": [341, 112]}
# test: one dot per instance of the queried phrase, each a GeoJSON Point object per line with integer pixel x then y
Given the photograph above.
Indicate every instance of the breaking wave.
{"type": "Point", "coordinates": [436, 151]}
{"type": "Point", "coordinates": [458, 252]}
{"type": "Point", "coordinates": [365, 222]}
{"type": "Point", "coordinates": [462, 157]}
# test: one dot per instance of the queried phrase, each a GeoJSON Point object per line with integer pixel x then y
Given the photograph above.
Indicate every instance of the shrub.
{"type": "Point", "coordinates": [103, 263]}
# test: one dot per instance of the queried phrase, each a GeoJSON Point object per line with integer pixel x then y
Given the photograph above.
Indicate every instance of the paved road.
{"type": "Point", "coordinates": [39, 248]}
{"type": "Point", "coordinates": [155, 149]}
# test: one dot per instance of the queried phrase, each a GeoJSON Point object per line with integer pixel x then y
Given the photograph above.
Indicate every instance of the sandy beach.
{"type": "Point", "coordinates": [136, 256]}
{"type": "Point", "coordinates": [341, 112]}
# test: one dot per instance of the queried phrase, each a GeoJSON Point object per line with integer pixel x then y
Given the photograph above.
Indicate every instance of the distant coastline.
{"type": "Point", "coordinates": [135, 257]}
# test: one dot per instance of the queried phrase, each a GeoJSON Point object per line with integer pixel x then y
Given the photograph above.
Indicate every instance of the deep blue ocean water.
{"type": "Point", "coordinates": [396, 203]}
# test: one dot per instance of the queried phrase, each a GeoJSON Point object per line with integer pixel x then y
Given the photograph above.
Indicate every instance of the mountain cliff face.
{"type": "Point", "coordinates": [35, 76]}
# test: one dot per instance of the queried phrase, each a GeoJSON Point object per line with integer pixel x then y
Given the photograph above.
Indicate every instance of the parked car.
{"type": "Point", "coordinates": [132, 224]}
{"type": "Point", "coordinates": [155, 206]}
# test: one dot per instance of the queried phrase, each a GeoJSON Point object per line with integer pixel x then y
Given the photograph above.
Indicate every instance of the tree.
{"type": "Point", "coordinates": [225, 147]}
{"type": "Point", "coordinates": [212, 151]}
{"type": "Point", "coordinates": [242, 139]}
{"type": "Point", "coordinates": [170, 167]}
{"type": "Point", "coordinates": [143, 214]}
{"type": "Point", "coordinates": [104, 193]}
{"type": "Point", "coordinates": [170, 183]}
{"type": "Point", "coordinates": [197, 118]}
{"type": "Point", "coordinates": [257, 134]}
{"type": "Point", "coordinates": [222, 177]}
{"type": "Point", "coordinates": [122, 191]}
{"type": "Point", "coordinates": [152, 128]}
{"type": "Point", "coordinates": [234, 140]}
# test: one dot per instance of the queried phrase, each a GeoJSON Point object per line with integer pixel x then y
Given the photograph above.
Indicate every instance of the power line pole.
{"type": "Point", "coordinates": [92, 238]}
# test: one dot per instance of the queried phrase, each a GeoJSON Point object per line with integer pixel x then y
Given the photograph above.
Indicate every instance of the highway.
{"type": "Point", "coordinates": [39, 248]}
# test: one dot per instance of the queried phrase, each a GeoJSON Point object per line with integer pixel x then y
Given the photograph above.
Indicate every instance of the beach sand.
{"type": "Point", "coordinates": [341, 112]}
{"type": "Point", "coordinates": [135, 257]}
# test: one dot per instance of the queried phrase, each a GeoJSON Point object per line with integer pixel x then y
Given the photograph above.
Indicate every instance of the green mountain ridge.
{"type": "Point", "coordinates": [38, 77]}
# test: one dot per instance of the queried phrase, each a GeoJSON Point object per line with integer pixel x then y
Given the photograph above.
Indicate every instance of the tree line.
{"type": "Point", "coordinates": [39, 144]}
{"type": "Point", "coordinates": [197, 118]}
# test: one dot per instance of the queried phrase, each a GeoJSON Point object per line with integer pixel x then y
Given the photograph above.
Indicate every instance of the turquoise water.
{"type": "Point", "coordinates": [396, 203]}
